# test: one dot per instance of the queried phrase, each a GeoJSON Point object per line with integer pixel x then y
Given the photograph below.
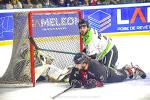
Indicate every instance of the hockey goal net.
{"type": "Point", "coordinates": [55, 32]}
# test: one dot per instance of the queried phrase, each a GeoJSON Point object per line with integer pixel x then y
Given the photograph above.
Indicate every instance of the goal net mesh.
{"type": "Point", "coordinates": [51, 30]}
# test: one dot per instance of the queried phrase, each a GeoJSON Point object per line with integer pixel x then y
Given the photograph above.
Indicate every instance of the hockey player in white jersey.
{"type": "Point", "coordinates": [97, 46]}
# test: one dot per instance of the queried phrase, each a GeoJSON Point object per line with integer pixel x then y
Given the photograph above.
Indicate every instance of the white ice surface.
{"type": "Point", "coordinates": [129, 90]}
{"type": "Point", "coordinates": [131, 49]}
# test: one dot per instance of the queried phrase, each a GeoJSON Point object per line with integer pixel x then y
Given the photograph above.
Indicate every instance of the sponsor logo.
{"type": "Point", "coordinates": [100, 20]}
{"type": "Point", "coordinates": [138, 13]}
{"type": "Point", "coordinates": [5, 25]}
{"type": "Point", "coordinates": [137, 19]}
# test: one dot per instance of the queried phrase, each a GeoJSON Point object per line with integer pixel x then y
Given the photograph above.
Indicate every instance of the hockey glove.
{"type": "Point", "coordinates": [93, 56]}
{"type": "Point", "coordinates": [91, 83]}
{"type": "Point", "coordinates": [75, 83]}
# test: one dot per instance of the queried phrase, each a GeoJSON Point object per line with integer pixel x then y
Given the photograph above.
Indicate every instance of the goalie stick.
{"type": "Point", "coordinates": [38, 48]}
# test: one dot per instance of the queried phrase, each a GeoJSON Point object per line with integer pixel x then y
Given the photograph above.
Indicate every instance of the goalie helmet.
{"type": "Point", "coordinates": [83, 22]}
{"type": "Point", "coordinates": [80, 58]}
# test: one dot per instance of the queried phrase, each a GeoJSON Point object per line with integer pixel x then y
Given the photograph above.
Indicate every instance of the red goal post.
{"type": "Point", "coordinates": [51, 30]}
{"type": "Point", "coordinates": [52, 23]}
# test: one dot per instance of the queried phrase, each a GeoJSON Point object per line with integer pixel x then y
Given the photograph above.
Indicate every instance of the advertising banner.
{"type": "Point", "coordinates": [55, 24]}
{"type": "Point", "coordinates": [6, 26]}
{"type": "Point", "coordinates": [123, 19]}
{"type": "Point", "coordinates": [105, 20]}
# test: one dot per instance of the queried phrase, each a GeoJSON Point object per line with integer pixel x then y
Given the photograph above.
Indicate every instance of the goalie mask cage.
{"type": "Point", "coordinates": [51, 30]}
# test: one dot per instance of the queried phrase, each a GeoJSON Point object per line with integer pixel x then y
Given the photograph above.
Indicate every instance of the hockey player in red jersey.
{"type": "Point", "coordinates": [89, 73]}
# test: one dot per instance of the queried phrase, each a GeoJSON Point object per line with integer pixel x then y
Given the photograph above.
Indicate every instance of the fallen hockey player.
{"type": "Point", "coordinates": [49, 71]}
{"type": "Point", "coordinates": [44, 69]}
{"type": "Point", "coordinates": [89, 73]}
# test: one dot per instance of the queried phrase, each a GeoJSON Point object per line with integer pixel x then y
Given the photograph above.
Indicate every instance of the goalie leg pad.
{"type": "Point", "coordinates": [56, 74]}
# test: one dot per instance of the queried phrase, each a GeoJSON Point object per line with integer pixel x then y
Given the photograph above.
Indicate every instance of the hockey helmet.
{"type": "Point", "coordinates": [80, 58]}
{"type": "Point", "coordinates": [83, 22]}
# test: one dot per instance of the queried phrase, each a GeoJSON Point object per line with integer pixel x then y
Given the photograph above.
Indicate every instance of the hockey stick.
{"type": "Point", "coordinates": [38, 48]}
{"type": "Point", "coordinates": [62, 92]}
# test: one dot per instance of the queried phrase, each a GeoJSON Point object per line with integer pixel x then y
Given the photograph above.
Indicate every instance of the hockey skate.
{"type": "Point", "coordinates": [134, 71]}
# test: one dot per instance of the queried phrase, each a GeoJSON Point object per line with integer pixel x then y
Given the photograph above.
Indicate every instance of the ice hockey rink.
{"type": "Point", "coordinates": [131, 49]}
